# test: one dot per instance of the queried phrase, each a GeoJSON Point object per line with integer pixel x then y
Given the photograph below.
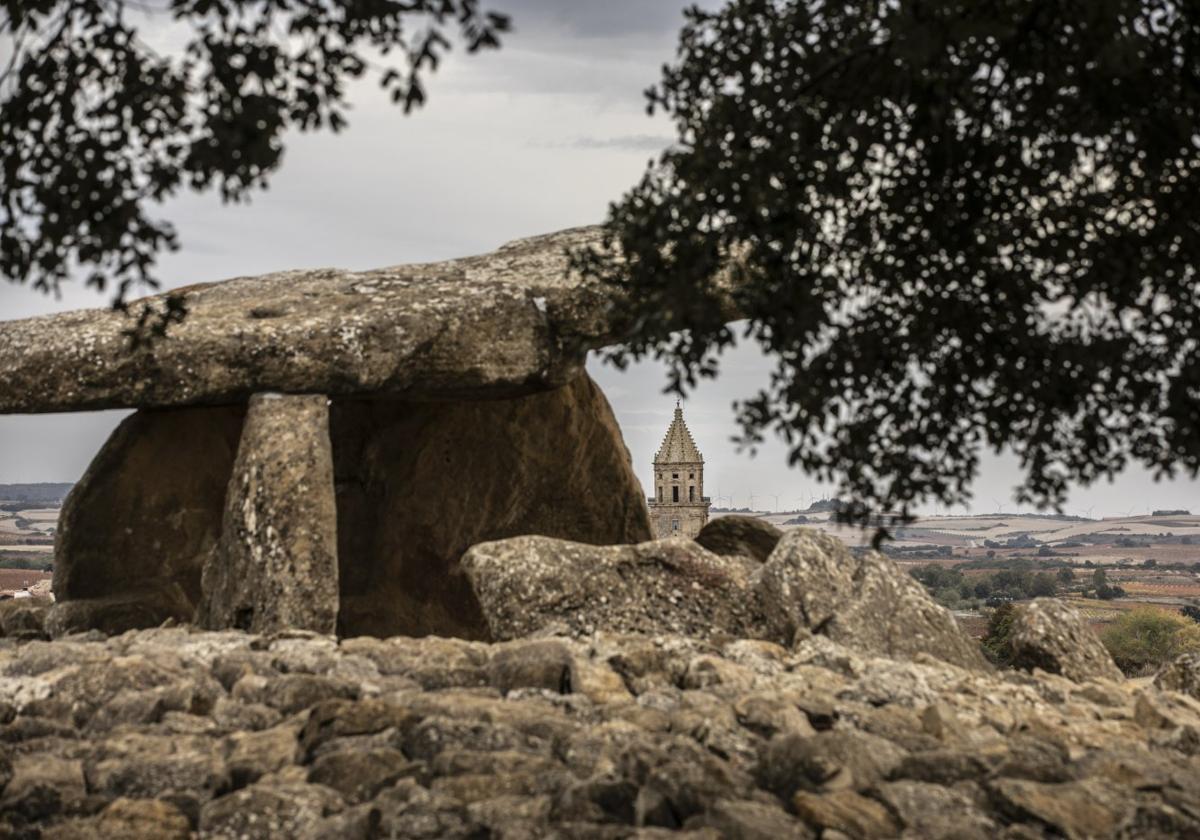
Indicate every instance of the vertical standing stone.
{"type": "Point", "coordinates": [275, 566]}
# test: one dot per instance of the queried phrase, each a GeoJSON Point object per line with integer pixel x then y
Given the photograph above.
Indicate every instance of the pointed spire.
{"type": "Point", "coordinates": [678, 446]}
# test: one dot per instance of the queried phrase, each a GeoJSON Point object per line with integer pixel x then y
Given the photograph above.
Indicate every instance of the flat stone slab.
{"type": "Point", "coordinates": [508, 323]}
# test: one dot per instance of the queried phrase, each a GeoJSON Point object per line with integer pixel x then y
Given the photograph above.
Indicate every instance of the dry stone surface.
{"type": "Point", "coordinates": [813, 584]}
{"type": "Point", "coordinates": [173, 732]}
{"type": "Point", "coordinates": [276, 564]}
{"type": "Point", "coordinates": [510, 322]}
{"type": "Point", "coordinates": [810, 585]}
{"type": "Point", "coordinates": [1182, 675]}
{"type": "Point", "coordinates": [529, 585]}
{"type": "Point", "coordinates": [1049, 634]}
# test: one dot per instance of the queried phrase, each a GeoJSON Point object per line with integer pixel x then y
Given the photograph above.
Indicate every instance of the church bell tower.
{"type": "Point", "coordinates": [679, 507]}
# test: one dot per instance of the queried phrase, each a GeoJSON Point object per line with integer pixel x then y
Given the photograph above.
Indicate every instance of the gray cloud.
{"type": "Point", "coordinates": [590, 19]}
{"type": "Point", "coordinates": [628, 142]}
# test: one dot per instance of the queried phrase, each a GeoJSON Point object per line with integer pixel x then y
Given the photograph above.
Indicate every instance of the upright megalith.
{"type": "Point", "coordinates": [275, 566]}
{"type": "Point", "coordinates": [421, 482]}
{"type": "Point", "coordinates": [135, 531]}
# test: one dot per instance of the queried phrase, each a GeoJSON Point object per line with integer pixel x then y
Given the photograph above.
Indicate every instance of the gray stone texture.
{"type": "Point", "coordinates": [1049, 634]}
{"type": "Point", "coordinates": [510, 322]}
{"type": "Point", "coordinates": [276, 566]}
{"type": "Point", "coordinates": [528, 585]}
{"type": "Point", "coordinates": [1182, 675]}
{"type": "Point", "coordinates": [174, 732]}
{"type": "Point", "coordinates": [813, 584]}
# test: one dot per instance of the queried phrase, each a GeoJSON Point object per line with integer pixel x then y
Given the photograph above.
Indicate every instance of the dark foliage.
{"type": "Point", "coordinates": [96, 124]}
{"type": "Point", "coordinates": [954, 225]}
{"type": "Point", "coordinates": [996, 644]}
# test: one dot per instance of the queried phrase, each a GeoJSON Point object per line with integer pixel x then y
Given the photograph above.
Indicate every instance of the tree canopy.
{"type": "Point", "coordinates": [954, 225]}
{"type": "Point", "coordinates": [97, 123]}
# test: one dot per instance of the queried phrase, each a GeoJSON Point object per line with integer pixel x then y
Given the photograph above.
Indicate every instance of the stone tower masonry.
{"type": "Point", "coordinates": [679, 507]}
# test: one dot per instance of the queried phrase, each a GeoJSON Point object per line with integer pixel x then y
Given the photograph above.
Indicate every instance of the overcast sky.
{"type": "Point", "coordinates": [539, 136]}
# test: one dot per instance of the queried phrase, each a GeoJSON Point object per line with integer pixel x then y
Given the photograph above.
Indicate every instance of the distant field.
{"type": "Point", "coordinates": [20, 578]}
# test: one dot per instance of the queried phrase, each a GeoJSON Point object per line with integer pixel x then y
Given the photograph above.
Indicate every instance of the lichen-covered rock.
{"type": "Point", "coordinates": [813, 584]}
{"type": "Point", "coordinates": [1049, 634]}
{"type": "Point", "coordinates": [275, 566]}
{"type": "Point", "coordinates": [744, 536]}
{"type": "Point", "coordinates": [528, 585]}
{"type": "Point", "coordinates": [161, 732]}
{"type": "Point", "coordinates": [421, 482]}
{"type": "Point", "coordinates": [510, 322]}
{"type": "Point", "coordinates": [1182, 675]}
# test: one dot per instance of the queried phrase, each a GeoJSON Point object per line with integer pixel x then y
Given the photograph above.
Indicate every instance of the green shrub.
{"type": "Point", "coordinates": [995, 642]}
{"type": "Point", "coordinates": [1144, 639]}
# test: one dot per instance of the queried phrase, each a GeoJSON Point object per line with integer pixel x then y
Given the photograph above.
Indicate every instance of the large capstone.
{"type": "Point", "coordinates": [514, 321]}
{"type": "Point", "coordinates": [276, 566]}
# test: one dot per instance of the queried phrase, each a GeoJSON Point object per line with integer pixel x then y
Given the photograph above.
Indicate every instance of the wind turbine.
{"type": "Point", "coordinates": [752, 503]}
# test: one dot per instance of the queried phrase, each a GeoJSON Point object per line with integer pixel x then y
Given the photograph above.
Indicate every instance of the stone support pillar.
{"type": "Point", "coordinates": [275, 566]}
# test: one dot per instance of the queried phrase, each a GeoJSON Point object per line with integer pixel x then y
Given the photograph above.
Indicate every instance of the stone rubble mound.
{"type": "Point", "coordinates": [810, 584]}
{"type": "Point", "coordinates": [177, 733]}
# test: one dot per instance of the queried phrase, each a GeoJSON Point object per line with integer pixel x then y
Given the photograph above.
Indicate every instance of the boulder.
{"type": "Point", "coordinates": [135, 609]}
{"type": "Point", "coordinates": [1047, 633]}
{"type": "Point", "coordinates": [510, 322]}
{"type": "Point", "coordinates": [276, 564]}
{"type": "Point", "coordinates": [528, 585]}
{"type": "Point", "coordinates": [418, 483]}
{"type": "Point", "coordinates": [134, 532]}
{"type": "Point", "coordinates": [813, 584]}
{"type": "Point", "coordinates": [743, 536]}
{"type": "Point", "coordinates": [1182, 675]}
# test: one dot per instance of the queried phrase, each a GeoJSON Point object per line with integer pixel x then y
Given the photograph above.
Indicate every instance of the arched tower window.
{"type": "Point", "coordinates": [691, 494]}
{"type": "Point", "coordinates": [675, 493]}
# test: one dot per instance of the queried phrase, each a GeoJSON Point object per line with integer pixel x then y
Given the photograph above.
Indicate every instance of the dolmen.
{"type": "Point", "coordinates": [317, 449]}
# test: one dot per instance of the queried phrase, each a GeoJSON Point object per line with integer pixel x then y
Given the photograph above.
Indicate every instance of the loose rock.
{"type": "Point", "coordinates": [813, 584]}
{"type": "Point", "coordinates": [741, 536]}
{"type": "Point", "coordinates": [528, 585]}
{"type": "Point", "coordinates": [1048, 634]}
